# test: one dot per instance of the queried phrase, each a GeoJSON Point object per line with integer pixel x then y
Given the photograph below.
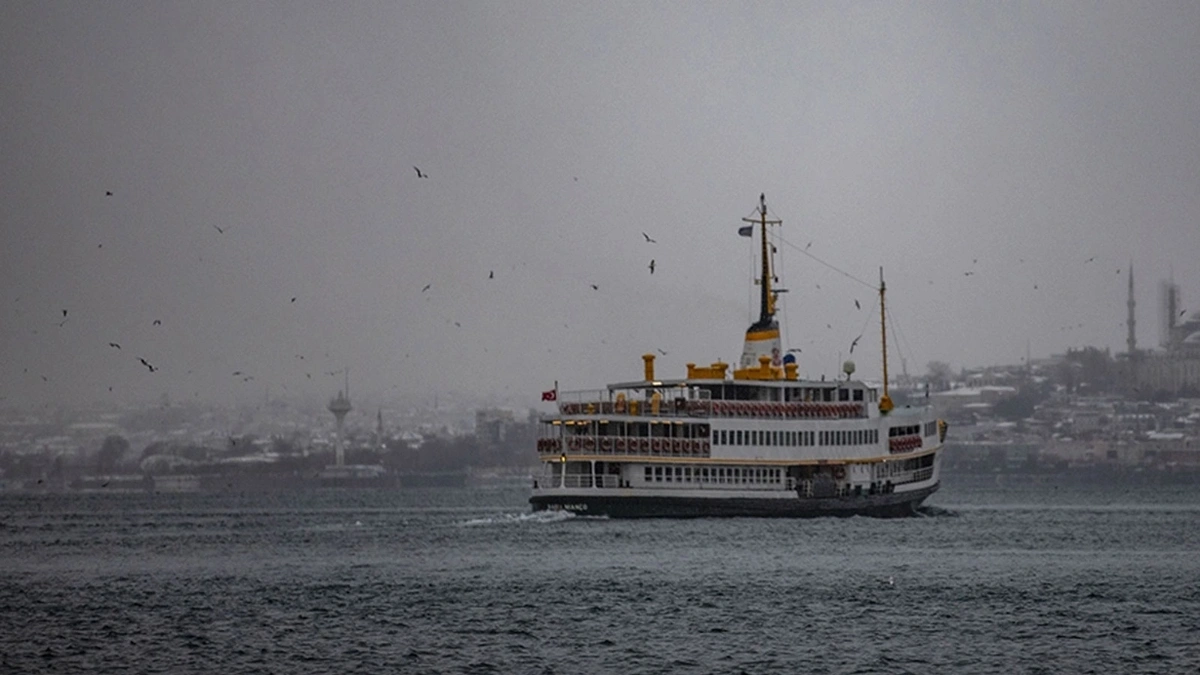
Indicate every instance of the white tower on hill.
{"type": "Point", "coordinates": [339, 406]}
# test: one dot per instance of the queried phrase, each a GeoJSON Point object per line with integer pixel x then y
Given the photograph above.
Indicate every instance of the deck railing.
{"type": "Point", "coordinates": [587, 480]}
{"type": "Point", "coordinates": [705, 408]}
{"type": "Point", "coordinates": [626, 445]}
{"type": "Point", "coordinates": [901, 444]}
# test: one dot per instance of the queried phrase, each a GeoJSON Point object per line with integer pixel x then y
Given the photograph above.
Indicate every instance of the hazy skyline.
{"type": "Point", "coordinates": [1013, 141]}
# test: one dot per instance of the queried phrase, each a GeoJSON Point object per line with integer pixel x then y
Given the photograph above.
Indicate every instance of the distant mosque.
{"type": "Point", "coordinates": [1175, 368]}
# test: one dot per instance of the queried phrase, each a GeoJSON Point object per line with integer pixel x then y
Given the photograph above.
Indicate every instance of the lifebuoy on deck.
{"type": "Point", "coordinates": [588, 443]}
{"type": "Point", "coordinates": [621, 445]}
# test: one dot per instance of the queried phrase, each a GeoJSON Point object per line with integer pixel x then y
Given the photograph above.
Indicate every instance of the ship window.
{"type": "Point", "coordinates": [843, 394]}
{"type": "Point", "coordinates": [649, 474]}
{"type": "Point", "coordinates": [858, 394]}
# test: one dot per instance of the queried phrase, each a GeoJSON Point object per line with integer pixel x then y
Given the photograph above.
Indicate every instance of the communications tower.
{"type": "Point", "coordinates": [339, 406]}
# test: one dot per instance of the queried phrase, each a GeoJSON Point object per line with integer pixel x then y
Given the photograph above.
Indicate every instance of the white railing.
{"type": "Point", "coordinates": [918, 475]}
{"type": "Point", "coordinates": [629, 445]}
{"type": "Point", "coordinates": [587, 480]}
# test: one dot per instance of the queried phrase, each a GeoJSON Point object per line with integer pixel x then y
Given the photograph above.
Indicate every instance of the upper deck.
{"type": "Point", "coordinates": [780, 399]}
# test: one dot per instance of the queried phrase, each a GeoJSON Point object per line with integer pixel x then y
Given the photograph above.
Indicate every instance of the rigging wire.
{"type": "Point", "coordinates": [830, 266]}
{"type": "Point", "coordinates": [900, 349]}
{"type": "Point", "coordinates": [777, 271]}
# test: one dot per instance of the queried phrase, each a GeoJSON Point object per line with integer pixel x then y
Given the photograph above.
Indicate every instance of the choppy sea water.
{"type": "Point", "coordinates": [433, 581]}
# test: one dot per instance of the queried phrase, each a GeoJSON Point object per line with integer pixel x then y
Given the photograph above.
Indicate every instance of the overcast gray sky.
{"type": "Point", "coordinates": [921, 137]}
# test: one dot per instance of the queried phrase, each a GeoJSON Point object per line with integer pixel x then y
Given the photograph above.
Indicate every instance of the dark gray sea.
{"type": "Point", "coordinates": [991, 580]}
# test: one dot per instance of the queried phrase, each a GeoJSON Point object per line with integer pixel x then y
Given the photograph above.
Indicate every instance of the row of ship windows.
{"type": "Point", "coordinates": [715, 474]}
{"type": "Point", "coordinates": [931, 428]}
{"type": "Point", "coordinates": [910, 430]}
{"type": "Point", "coordinates": [796, 438]}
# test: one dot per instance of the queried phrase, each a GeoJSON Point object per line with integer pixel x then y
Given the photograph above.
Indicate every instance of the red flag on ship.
{"type": "Point", "coordinates": [551, 395]}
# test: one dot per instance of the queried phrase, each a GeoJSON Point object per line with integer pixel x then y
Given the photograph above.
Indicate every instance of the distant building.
{"type": "Point", "coordinates": [492, 425]}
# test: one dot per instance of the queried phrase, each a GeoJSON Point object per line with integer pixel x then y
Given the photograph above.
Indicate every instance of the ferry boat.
{"type": "Point", "coordinates": [759, 441]}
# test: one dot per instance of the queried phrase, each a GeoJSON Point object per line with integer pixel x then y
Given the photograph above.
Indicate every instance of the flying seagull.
{"type": "Point", "coordinates": [113, 344]}
{"type": "Point", "coordinates": [108, 193]}
{"type": "Point", "coordinates": [426, 287]}
{"type": "Point", "coordinates": [648, 239]}
{"type": "Point", "coordinates": [807, 246]}
{"type": "Point", "coordinates": [661, 352]}
{"type": "Point", "coordinates": [220, 229]}
{"type": "Point", "coordinates": [595, 287]}
{"type": "Point", "coordinates": [147, 364]}
{"type": "Point", "coordinates": [853, 343]}
{"type": "Point", "coordinates": [1089, 259]}
{"type": "Point", "coordinates": [157, 322]}
{"type": "Point", "coordinates": [793, 349]}
{"type": "Point", "coordinates": [652, 266]}
{"type": "Point", "coordinates": [419, 174]}
{"type": "Point", "coordinates": [293, 299]}
{"type": "Point", "coordinates": [491, 274]}
{"type": "Point", "coordinates": [856, 305]}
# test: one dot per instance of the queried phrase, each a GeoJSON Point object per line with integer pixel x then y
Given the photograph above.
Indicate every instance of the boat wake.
{"type": "Point", "coordinates": [935, 512]}
{"type": "Point", "coordinates": [522, 518]}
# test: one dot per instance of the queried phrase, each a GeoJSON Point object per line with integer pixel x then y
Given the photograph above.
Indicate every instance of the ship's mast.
{"type": "Point", "coordinates": [885, 402]}
{"type": "Point", "coordinates": [767, 297]}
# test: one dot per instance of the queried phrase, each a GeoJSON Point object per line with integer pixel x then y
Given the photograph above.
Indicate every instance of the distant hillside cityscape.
{"type": "Point", "coordinates": [1085, 412]}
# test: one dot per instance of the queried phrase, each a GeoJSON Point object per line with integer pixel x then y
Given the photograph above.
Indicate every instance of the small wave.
{"type": "Point", "coordinates": [519, 518]}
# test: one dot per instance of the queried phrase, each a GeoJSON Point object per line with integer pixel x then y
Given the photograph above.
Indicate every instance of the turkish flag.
{"type": "Point", "coordinates": [551, 395]}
